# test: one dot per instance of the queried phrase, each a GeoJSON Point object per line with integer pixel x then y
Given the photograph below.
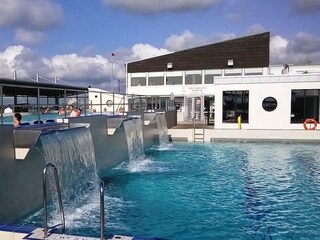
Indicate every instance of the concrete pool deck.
{"type": "Point", "coordinates": [186, 132]}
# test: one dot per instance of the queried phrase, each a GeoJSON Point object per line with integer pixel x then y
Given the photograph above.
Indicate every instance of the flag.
{"type": "Point", "coordinates": [113, 54]}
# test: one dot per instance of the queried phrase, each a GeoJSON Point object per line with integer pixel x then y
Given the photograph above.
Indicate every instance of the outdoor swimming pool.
{"type": "Point", "coordinates": [210, 191]}
{"type": "Point", "coordinates": [31, 117]}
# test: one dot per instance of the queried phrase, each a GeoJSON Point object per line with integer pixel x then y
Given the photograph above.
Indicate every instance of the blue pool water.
{"type": "Point", "coordinates": [31, 117]}
{"type": "Point", "coordinates": [212, 191]}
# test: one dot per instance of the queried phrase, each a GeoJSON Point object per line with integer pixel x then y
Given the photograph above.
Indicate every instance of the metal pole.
{"type": "Point", "coordinates": [14, 75]}
{"type": "Point", "coordinates": [38, 103]}
{"type": "Point", "coordinates": [126, 71]}
{"type": "Point", "coordinates": [44, 187]}
{"type": "Point", "coordinates": [1, 103]}
{"type": "Point", "coordinates": [112, 103]}
{"type": "Point", "coordinates": [100, 103]}
{"type": "Point", "coordinates": [101, 210]}
{"type": "Point", "coordinates": [112, 75]}
{"type": "Point", "coordinates": [85, 103]}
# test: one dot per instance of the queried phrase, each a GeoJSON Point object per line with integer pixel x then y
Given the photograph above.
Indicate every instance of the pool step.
{"type": "Point", "coordinates": [37, 234]}
{"type": "Point", "coordinates": [198, 135]}
{"type": "Point", "coordinates": [11, 232]}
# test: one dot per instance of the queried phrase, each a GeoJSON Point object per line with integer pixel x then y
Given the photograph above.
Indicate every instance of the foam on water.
{"type": "Point", "coordinates": [163, 131]}
{"type": "Point", "coordinates": [133, 130]}
{"type": "Point", "coordinates": [72, 152]}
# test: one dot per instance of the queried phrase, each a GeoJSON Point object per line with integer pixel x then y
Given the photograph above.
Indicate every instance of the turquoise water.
{"type": "Point", "coordinates": [221, 191]}
{"type": "Point", "coordinates": [30, 118]}
{"type": "Point", "coordinates": [213, 191]}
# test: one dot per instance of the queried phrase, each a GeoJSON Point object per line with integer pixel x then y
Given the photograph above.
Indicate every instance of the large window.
{"type": "Point", "coordinates": [235, 103]}
{"type": "Point", "coordinates": [210, 74]}
{"type": "Point", "coordinates": [253, 71]}
{"type": "Point", "coordinates": [138, 81]}
{"type": "Point", "coordinates": [233, 72]}
{"type": "Point", "coordinates": [304, 104]}
{"type": "Point", "coordinates": [193, 77]}
{"type": "Point", "coordinates": [154, 81]}
{"type": "Point", "coordinates": [174, 78]}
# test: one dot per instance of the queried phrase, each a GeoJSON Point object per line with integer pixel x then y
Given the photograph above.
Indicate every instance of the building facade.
{"type": "Point", "coordinates": [219, 82]}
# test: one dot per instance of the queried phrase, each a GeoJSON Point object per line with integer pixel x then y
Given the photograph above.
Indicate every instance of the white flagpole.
{"type": "Point", "coordinates": [112, 72]}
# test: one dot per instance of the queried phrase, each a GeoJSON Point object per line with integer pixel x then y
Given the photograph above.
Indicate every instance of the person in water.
{"type": "Point", "coordinates": [17, 119]}
{"type": "Point", "coordinates": [73, 112]}
{"type": "Point", "coordinates": [79, 111]}
{"type": "Point", "coordinates": [62, 111]}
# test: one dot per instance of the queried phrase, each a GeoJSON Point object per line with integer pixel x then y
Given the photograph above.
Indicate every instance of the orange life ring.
{"type": "Point", "coordinates": [311, 121]}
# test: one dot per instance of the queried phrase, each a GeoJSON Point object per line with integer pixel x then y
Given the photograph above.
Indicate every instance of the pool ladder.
{"type": "Point", "coordinates": [45, 204]}
{"type": "Point", "coordinates": [198, 133]}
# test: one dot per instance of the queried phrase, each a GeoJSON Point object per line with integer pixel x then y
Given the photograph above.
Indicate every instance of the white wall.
{"type": "Point", "coordinates": [97, 98]}
{"type": "Point", "coordinates": [271, 84]}
{"type": "Point", "coordinates": [258, 117]}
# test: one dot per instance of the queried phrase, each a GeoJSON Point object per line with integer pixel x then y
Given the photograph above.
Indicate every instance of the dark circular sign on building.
{"type": "Point", "coordinates": [269, 104]}
{"type": "Point", "coordinates": [109, 103]}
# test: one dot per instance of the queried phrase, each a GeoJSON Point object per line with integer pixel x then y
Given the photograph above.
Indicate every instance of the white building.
{"type": "Point", "coordinates": [103, 101]}
{"type": "Point", "coordinates": [216, 83]}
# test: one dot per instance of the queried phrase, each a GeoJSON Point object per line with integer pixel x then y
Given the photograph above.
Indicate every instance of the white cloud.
{"type": "Point", "coordinates": [88, 50]}
{"type": "Point", "coordinates": [305, 6]}
{"type": "Point", "coordinates": [29, 37]}
{"type": "Point", "coordinates": [141, 51]}
{"type": "Point", "coordinates": [76, 67]}
{"type": "Point", "coordinates": [153, 6]}
{"type": "Point", "coordinates": [73, 68]}
{"type": "Point", "coordinates": [303, 48]}
{"type": "Point", "coordinates": [305, 43]}
{"type": "Point", "coordinates": [95, 70]}
{"type": "Point", "coordinates": [220, 37]}
{"type": "Point", "coordinates": [256, 28]}
{"type": "Point", "coordinates": [30, 14]}
{"type": "Point", "coordinates": [187, 40]}
{"type": "Point", "coordinates": [183, 41]}
{"type": "Point", "coordinates": [278, 49]}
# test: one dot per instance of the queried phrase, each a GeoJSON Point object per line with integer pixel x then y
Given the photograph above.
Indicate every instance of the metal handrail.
{"type": "Point", "coordinates": [101, 210]}
{"type": "Point", "coordinates": [194, 127]}
{"type": "Point", "coordinates": [45, 206]}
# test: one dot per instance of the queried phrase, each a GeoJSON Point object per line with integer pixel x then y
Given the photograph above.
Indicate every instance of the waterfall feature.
{"type": "Point", "coordinates": [133, 130]}
{"type": "Point", "coordinates": [72, 152]}
{"type": "Point", "coordinates": [163, 130]}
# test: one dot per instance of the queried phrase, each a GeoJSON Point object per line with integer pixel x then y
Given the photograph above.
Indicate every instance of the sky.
{"type": "Point", "coordinates": [73, 40]}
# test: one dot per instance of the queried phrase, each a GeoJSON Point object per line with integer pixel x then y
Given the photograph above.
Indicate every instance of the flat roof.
{"type": "Point", "coordinates": [12, 87]}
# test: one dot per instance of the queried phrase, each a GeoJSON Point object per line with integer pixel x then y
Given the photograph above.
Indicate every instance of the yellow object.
{"type": "Point", "coordinates": [239, 122]}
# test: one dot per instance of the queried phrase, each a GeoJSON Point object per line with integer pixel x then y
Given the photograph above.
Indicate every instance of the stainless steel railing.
{"type": "Point", "coordinates": [45, 205]}
{"type": "Point", "coordinates": [101, 210]}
